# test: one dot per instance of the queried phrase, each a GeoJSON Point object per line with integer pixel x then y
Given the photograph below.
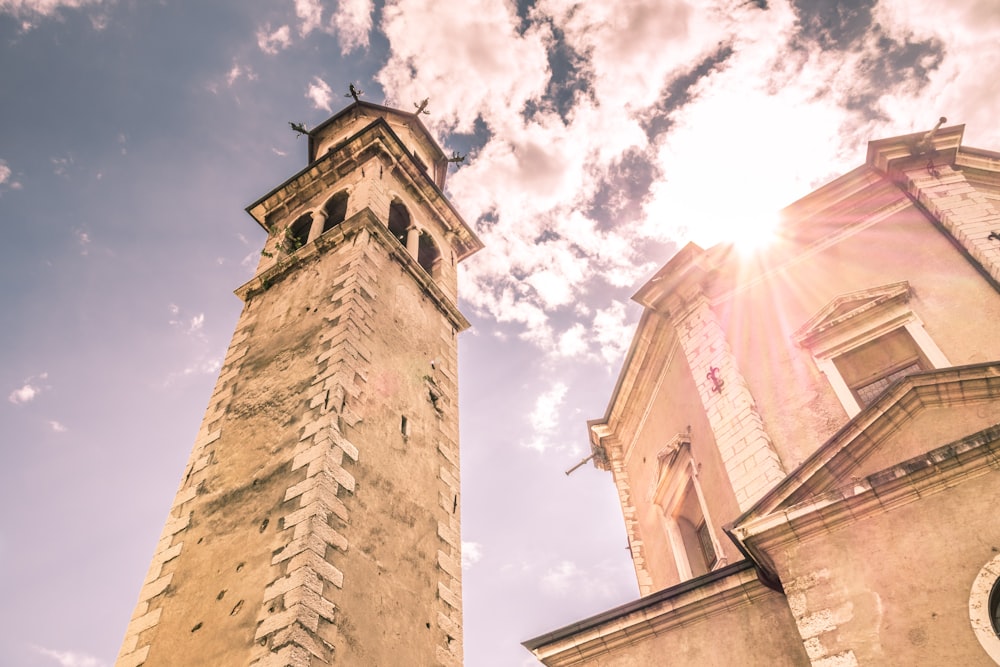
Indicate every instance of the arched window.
{"type": "Point", "coordinates": [689, 528]}
{"type": "Point", "coordinates": [336, 210]}
{"type": "Point", "coordinates": [399, 221]}
{"type": "Point", "coordinates": [298, 233]}
{"type": "Point", "coordinates": [984, 608]}
{"type": "Point", "coordinates": [428, 254]}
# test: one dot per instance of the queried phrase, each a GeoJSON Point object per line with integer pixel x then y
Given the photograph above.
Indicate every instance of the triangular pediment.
{"type": "Point", "coordinates": [893, 436]}
{"type": "Point", "coordinates": [850, 307]}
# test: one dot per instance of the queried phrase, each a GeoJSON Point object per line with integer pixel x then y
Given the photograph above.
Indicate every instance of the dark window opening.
{"type": "Point", "coordinates": [336, 210]}
{"type": "Point", "coordinates": [399, 221]}
{"type": "Point", "coordinates": [695, 533]}
{"type": "Point", "coordinates": [705, 542]}
{"type": "Point", "coordinates": [428, 254]}
{"type": "Point", "coordinates": [404, 426]}
{"type": "Point", "coordinates": [298, 233]}
{"type": "Point", "coordinates": [872, 368]}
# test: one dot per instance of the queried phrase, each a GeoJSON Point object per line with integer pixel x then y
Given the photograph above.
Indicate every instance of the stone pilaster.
{"type": "Point", "coordinates": [751, 461]}
{"type": "Point", "coordinates": [969, 215]}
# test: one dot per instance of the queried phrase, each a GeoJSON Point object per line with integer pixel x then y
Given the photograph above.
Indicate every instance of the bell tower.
{"type": "Point", "coordinates": [317, 520]}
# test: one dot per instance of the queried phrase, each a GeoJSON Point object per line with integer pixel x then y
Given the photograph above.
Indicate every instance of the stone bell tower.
{"type": "Point", "coordinates": [317, 521]}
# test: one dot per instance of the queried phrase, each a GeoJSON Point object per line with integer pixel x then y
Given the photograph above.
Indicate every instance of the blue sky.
{"type": "Point", "coordinates": [599, 136]}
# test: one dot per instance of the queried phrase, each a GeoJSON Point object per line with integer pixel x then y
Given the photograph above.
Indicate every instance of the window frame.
{"type": "Point", "coordinates": [985, 586]}
{"type": "Point", "coordinates": [676, 472]}
{"type": "Point", "coordinates": [877, 312]}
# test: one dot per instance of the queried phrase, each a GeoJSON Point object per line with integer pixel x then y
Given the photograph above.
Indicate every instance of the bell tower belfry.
{"type": "Point", "coordinates": [317, 521]}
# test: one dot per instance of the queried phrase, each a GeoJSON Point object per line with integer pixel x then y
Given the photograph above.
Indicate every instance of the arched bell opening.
{"type": "Point", "coordinates": [399, 221]}
{"type": "Point", "coordinates": [297, 233]}
{"type": "Point", "coordinates": [428, 255]}
{"type": "Point", "coordinates": [336, 210]}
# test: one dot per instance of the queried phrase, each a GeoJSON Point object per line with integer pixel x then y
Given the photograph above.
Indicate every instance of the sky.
{"type": "Point", "coordinates": [600, 137]}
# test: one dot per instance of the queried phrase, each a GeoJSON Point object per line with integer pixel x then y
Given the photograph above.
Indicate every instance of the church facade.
{"type": "Point", "coordinates": [317, 520]}
{"type": "Point", "coordinates": [805, 440]}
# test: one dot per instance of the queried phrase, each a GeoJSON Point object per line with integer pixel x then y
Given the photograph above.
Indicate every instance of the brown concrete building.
{"type": "Point", "coordinates": [806, 440]}
{"type": "Point", "coordinates": [318, 518]}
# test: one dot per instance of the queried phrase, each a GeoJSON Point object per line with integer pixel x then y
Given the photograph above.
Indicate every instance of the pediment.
{"type": "Point", "coordinates": [846, 309]}
{"type": "Point", "coordinates": [922, 413]}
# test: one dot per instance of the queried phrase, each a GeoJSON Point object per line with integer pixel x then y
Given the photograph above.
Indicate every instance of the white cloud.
{"type": "Point", "coordinates": [99, 21]}
{"type": "Point", "coordinates": [57, 427]}
{"type": "Point", "coordinates": [472, 553]}
{"type": "Point", "coordinates": [612, 332]}
{"type": "Point", "coordinates": [189, 325]}
{"type": "Point", "coordinates": [28, 391]}
{"type": "Point", "coordinates": [568, 578]}
{"type": "Point", "coordinates": [970, 29]}
{"type": "Point", "coordinates": [310, 13]}
{"type": "Point", "coordinates": [237, 71]}
{"type": "Point", "coordinates": [664, 98]}
{"type": "Point", "coordinates": [203, 367]}
{"type": "Point", "coordinates": [545, 415]}
{"type": "Point", "coordinates": [544, 418]}
{"type": "Point", "coordinates": [61, 164]}
{"type": "Point", "coordinates": [71, 658]}
{"type": "Point", "coordinates": [271, 42]}
{"type": "Point", "coordinates": [22, 8]}
{"type": "Point", "coordinates": [83, 240]}
{"type": "Point", "coordinates": [486, 67]}
{"type": "Point", "coordinates": [23, 394]}
{"type": "Point", "coordinates": [352, 23]}
{"type": "Point", "coordinates": [234, 73]}
{"type": "Point", "coordinates": [558, 580]}
{"type": "Point", "coordinates": [573, 341]}
{"type": "Point", "coordinates": [6, 175]}
{"type": "Point", "coordinates": [320, 94]}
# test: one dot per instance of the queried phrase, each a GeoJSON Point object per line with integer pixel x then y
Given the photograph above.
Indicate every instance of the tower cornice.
{"type": "Point", "coordinates": [375, 139]}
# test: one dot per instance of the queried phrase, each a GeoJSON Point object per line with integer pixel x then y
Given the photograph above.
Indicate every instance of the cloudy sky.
{"type": "Point", "coordinates": [599, 136]}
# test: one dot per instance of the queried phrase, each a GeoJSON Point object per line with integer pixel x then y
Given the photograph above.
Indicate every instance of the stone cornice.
{"type": "Point", "coordinates": [714, 593]}
{"type": "Point", "coordinates": [865, 302]}
{"type": "Point", "coordinates": [895, 153]}
{"type": "Point", "coordinates": [826, 493]}
{"type": "Point", "coordinates": [649, 356]}
{"type": "Point", "coordinates": [901, 484]}
{"type": "Point", "coordinates": [377, 139]}
{"type": "Point", "coordinates": [827, 467]}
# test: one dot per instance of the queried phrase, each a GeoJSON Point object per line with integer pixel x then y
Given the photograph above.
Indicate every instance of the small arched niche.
{"type": "Point", "coordinates": [336, 210]}
{"type": "Point", "coordinates": [399, 220]}
{"type": "Point", "coordinates": [428, 255]}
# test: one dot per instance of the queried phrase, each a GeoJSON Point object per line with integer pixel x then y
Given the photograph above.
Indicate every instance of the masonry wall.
{"type": "Point", "coordinates": [956, 305]}
{"type": "Point", "coordinates": [893, 589]}
{"type": "Point", "coordinates": [309, 527]}
{"type": "Point", "coordinates": [675, 408]}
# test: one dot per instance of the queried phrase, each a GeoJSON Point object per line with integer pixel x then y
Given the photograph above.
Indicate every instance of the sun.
{"type": "Point", "coordinates": [749, 236]}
